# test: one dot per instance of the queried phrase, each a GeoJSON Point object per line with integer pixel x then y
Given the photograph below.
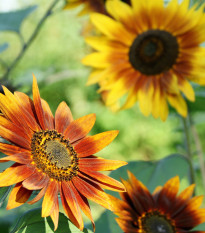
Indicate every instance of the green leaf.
{"type": "Point", "coordinates": [3, 47]}
{"type": "Point", "coordinates": [4, 191]}
{"type": "Point", "coordinates": [32, 221]}
{"type": "Point", "coordinates": [198, 105]}
{"type": "Point", "coordinates": [150, 173]}
{"type": "Point", "coordinates": [11, 21]}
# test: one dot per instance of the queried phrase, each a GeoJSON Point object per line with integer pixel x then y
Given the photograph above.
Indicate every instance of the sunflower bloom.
{"type": "Point", "coordinates": [163, 211]}
{"type": "Point", "coordinates": [148, 53]}
{"type": "Point", "coordinates": [53, 155]}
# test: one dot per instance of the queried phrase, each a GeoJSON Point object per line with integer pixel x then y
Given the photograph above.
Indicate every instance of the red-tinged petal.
{"type": "Point", "coordinates": [13, 133]}
{"type": "Point", "coordinates": [68, 210]}
{"type": "Point", "coordinates": [37, 104]}
{"type": "Point", "coordinates": [11, 149]}
{"type": "Point", "coordinates": [95, 164]}
{"type": "Point", "coordinates": [27, 121]}
{"type": "Point", "coordinates": [15, 174]}
{"type": "Point", "coordinates": [103, 181]}
{"type": "Point", "coordinates": [18, 196]}
{"type": "Point", "coordinates": [36, 181]}
{"type": "Point", "coordinates": [83, 203]}
{"type": "Point", "coordinates": [92, 192]}
{"type": "Point", "coordinates": [63, 117]}
{"type": "Point", "coordinates": [22, 158]}
{"type": "Point", "coordinates": [50, 198]}
{"type": "Point", "coordinates": [55, 215]}
{"type": "Point", "coordinates": [26, 102]}
{"type": "Point", "coordinates": [72, 203]}
{"type": "Point", "coordinates": [92, 144]}
{"type": "Point", "coordinates": [49, 119]}
{"type": "Point", "coordinates": [168, 193]}
{"type": "Point", "coordinates": [79, 128]}
{"type": "Point", "coordinates": [38, 197]}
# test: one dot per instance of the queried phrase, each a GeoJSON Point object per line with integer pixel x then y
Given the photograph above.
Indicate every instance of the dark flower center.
{"type": "Point", "coordinates": [154, 52]}
{"type": "Point", "coordinates": [154, 222]}
{"type": "Point", "coordinates": [54, 155]}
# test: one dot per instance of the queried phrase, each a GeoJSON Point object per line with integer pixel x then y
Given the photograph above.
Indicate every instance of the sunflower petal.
{"type": "Point", "coordinates": [55, 215]}
{"type": "Point", "coordinates": [38, 197]}
{"type": "Point", "coordinates": [92, 144]}
{"type": "Point", "coordinates": [49, 119]}
{"type": "Point", "coordinates": [36, 181]}
{"type": "Point", "coordinates": [22, 158]}
{"type": "Point", "coordinates": [63, 117]}
{"type": "Point", "coordinates": [80, 128]}
{"type": "Point", "coordinates": [18, 196]}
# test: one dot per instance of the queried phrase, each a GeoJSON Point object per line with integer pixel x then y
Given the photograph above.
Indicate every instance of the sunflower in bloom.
{"type": "Point", "coordinates": [148, 53]}
{"type": "Point", "coordinates": [163, 211]}
{"type": "Point", "coordinates": [53, 155]}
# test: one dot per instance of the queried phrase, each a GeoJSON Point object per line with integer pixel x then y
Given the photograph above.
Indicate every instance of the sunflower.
{"type": "Point", "coordinates": [53, 155]}
{"type": "Point", "coordinates": [148, 53]}
{"type": "Point", "coordinates": [163, 211]}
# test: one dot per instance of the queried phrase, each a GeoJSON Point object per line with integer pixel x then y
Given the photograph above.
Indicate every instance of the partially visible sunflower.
{"type": "Point", "coordinates": [89, 5]}
{"type": "Point", "coordinates": [150, 52]}
{"type": "Point", "coordinates": [161, 212]}
{"type": "Point", "coordinates": [53, 155]}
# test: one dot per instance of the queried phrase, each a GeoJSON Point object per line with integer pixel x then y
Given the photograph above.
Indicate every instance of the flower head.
{"type": "Point", "coordinates": [161, 211]}
{"type": "Point", "coordinates": [149, 52]}
{"type": "Point", "coordinates": [53, 155]}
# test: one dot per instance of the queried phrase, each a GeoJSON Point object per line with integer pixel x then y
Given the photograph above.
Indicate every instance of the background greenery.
{"type": "Point", "coordinates": [54, 57]}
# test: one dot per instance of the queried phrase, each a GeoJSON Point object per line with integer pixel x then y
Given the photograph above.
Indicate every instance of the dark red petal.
{"type": "Point", "coordinates": [63, 117]}
{"type": "Point", "coordinates": [36, 181]}
{"type": "Point", "coordinates": [92, 192]}
{"type": "Point", "coordinates": [79, 128]}
{"type": "Point", "coordinates": [97, 164]}
{"type": "Point", "coordinates": [22, 158]}
{"type": "Point", "coordinates": [72, 203]}
{"type": "Point", "coordinates": [37, 104]}
{"type": "Point", "coordinates": [50, 198]}
{"type": "Point", "coordinates": [11, 149]}
{"type": "Point", "coordinates": [49, 119]}
{"type": "Point", "coordinates": [92, 144]}
{"type": "Point", "coordinates": [15, 174]}
{"type": "Point", "coordinates": [18, 196]}
{"type": "Point", "coordinates": [55, 215]}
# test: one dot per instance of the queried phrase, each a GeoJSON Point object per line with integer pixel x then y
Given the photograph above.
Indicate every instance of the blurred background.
{"type": "Point", "coordinates": [54, 57]}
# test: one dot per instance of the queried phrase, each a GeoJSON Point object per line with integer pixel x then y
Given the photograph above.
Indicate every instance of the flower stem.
{"type": "Point", "coordinates": [188, 148]}
{"type": "Point", "coordinates": [27, 44]}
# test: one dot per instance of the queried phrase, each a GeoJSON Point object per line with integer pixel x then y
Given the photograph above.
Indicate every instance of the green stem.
{"type": "Point", "coordinates": [30, 40]}
{"type": "Point", "coordinates": [188, 148]}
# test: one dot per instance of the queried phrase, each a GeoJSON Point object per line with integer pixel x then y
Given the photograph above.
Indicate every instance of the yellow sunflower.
{"type": "Point", "coordinates": [53, 155]}
{"type": "Point", "coordinates": [163, 211]}
{"type": "Point", "coordinates": [150, 53]}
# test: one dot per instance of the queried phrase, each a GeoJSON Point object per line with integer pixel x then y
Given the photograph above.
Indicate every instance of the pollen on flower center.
{"type": "Point", "coordinates": [54, 155]}
{"type": "Point", "coordinates": [155, 222]}
{"type": "Point", "coordinates": [153, 52]}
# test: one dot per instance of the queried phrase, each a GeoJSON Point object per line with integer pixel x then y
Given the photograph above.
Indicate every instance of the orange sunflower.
{"type": "Point", "coordinates": [148, 53]}
{"type": "Point", "coordinates": [161, 212]}
{"type": "Point", "coordinates": [53, 155]}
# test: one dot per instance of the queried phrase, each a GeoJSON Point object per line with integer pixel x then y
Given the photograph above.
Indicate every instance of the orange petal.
{"type": "Point", "coordinates": [103, 181]}
{"type": "Point", "coordinates": [92, 144]}
{"type": "Point", "coordinates": [13, 133]}
{"type": "Point", "coordinates": [14, 174]}
{"type": "Point", "coordinates": [36, 181]}
{"type": "Point", "coordinates": [80, 128]}
{"type": "Point", "coordinates": [72, 203]}
{"type": "Point", "coordinates": [92, 192]}
{"type": "Point", "coordinates": [38, 197]}
{"type": "Point", "coordinates": [18, 196]}
{"type": "Point", "coordinates": [83, 203]}
{"type": "Point", "coordinates": [50, 198]}
{"type": "Point", "coordinates": [23, 158]}
{"type": "Point", "coordinates": [96, 164]}
{"type": "Point", "coordinates": [63, 117]}
{"type": "Point", "coordinates": [49, 119]}
{"type": "Point", "coordinates": [68, 210]}
{"type": "Point", "coordinates": [55, 215]}
{"type": "Point", "coordinates": [10, 149]}
{"type": "Point", "coordinates": [38, 104]}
